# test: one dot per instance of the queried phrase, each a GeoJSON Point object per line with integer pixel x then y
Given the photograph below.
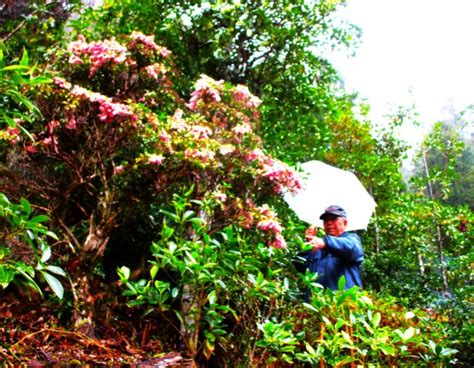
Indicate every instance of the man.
{"type": "Point", "coordinates": [338, 253]}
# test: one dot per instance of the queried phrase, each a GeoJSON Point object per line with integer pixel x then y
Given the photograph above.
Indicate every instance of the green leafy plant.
{"type": "Point", "coordinates": [22, 227]}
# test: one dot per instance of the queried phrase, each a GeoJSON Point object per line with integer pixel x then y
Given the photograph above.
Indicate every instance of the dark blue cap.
{"type": "Point", "coordinates": [335, 211]}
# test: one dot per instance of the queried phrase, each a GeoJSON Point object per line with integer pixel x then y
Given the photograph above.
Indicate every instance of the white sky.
{"type": "Point", "coordinates": [413, 52]}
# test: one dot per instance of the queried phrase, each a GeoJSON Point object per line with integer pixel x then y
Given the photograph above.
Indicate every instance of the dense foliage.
{"type": "Point", "coordinates": [157, 167]}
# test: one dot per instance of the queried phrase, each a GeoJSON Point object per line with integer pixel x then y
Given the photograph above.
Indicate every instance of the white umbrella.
{"type": "Point", "coordinates": [325, 185]}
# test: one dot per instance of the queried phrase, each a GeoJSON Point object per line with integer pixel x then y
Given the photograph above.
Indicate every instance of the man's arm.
{"type": "Point", "coordinates": [348, 247]}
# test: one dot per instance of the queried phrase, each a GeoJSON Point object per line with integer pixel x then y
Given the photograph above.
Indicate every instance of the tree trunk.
{"type": "Point", "coordinates": [91, 255]}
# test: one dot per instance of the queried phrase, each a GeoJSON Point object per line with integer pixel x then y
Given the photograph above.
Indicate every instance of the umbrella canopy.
{"type": "Point", "coordinates": [325, 185]}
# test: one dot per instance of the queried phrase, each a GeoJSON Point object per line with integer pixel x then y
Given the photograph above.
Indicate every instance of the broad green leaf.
{"type": "Point", "coordinates": [6, 276]}
{"type": "Point", "coordinates": [54, 283]}
{"type": "Point", "coordinates": [55, 269]}
{"type": "Point", "coordinates": [153, 271]}
{"type": "Point", "coordinates": [24, 58]}
{"type": "Point", "coordinates": [341, 283]}
{"type": "Point", "coordinates": [38, 219]}
{"type": "Point", "coordinates": [46, 254]}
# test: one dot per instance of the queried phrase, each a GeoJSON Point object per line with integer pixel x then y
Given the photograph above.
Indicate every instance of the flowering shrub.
{"type": "Point", "coordinates": [116, 140]}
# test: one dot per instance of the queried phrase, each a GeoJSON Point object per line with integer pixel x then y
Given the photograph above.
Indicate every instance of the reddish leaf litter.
{"type": "Point", "coordinates": [32, 334]}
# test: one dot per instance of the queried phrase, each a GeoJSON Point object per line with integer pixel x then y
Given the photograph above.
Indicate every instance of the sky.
{"type": "Point", "coordinates": [417, 52]}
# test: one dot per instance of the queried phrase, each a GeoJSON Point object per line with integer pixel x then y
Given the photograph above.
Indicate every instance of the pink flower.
{"type": "Point", "coordinates": [226, 149]}
{"type": "Point", "coordinates": [254, 155]}
{"type": "Point", "coordinates": [72, 123]}
{"type": "Point", "coordinates": [242, 94]}
{"type": "Point", "coordinates": [119, 169]}
{"type": "Point", "coordinates": [155, 159]}
{"type": "Point", "coordinates": [200, 132]}
{"type": "Point", "coordinates": [206, 90]}
{"type": "Point", "coordinates": [202, 155]}
{"type": "Point", "coordinates": [156, 71]}
{"type": "Point", "coordinates": [242, 129]}
{"type": "Point", "coordinates": [282, 175]}
{"type": "Point", "coordinates": [97, 53]}
{"type": "Point", "coordinates": [164, 136]}
{"type": "Point", "coordinates": [61, 83]}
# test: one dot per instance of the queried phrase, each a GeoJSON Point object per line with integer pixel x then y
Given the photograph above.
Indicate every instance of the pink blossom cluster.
{"type": "Point", "coordinates": [203, 155]}
{"type": "Point", "coordinates": [226, 149]}
{"type": "Point", "coordinates": [242, 94]}
{"type": "Point", "coordinates": [269, 223]}
{"type": "Point", "coordinates": [177, 121]}
{"type": "Point", "coordinates": [242, 129]}
{"type": "Point", "coordinates": [62, 83]}
{"type": "Point", "coordinates": [282, 175]}
{"type": "Point", "coordinates": [156, 72]}
{"type": "Point", "coordinates": [155, 159]}
{"type": "Point", "coordinates": [149, 43]}
{"type": "Point", "coordinates": [98, 53]}
{"type": "Point", "coordinates": [108, 110]}
{"type": "Point", "coordinates": [207, 90]}
{"type": "Point", "coordinates": [200, 132]}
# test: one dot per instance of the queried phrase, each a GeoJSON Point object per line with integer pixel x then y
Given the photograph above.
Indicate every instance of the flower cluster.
{"type": "Point", "coordinates": [207, 90]}
{"type": "Point", "coordinates": [97, 53]}
{"type": "Point", "coordinates": [243, 95]}
{"type": "Point", "coordinates": [108, 109]}
{"type": "Point", "coordinates": [202, 155]}
{"type": "Point", "coordinates": [156, 72]}
{"type": "Point", "coordinates": [268, 222]}
{"type": "Point", "coordinates": [283, 176]}
{"type": "Point", "coordinates": [149, 43]}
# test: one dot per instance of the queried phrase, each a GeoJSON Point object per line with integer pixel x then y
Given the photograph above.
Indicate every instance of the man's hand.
{"type": "Point", "coordinates": [317, 243]}
{"type": "Point", "coordinates": [311, 232]}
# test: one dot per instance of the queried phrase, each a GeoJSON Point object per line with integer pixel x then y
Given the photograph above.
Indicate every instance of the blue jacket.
{"type": "Point", "coordinates": [342, 255]}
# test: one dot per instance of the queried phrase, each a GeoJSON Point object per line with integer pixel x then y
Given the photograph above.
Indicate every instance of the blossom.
{"type": "Point", "coordinates": [226, 149]}
{"type": "Point", "coordinates": [242, 94]}
{"type": "Point", "coordinates": [242, 129]}
{"type": "Point", "coordinates": [156, 71]}
{"type": "Point", "coordinates": [254, 155]}
{"type": "Point", "coordinates": [268, 222]}
{"type": "Point", "coordinates": [282, 175]}
{"type": "Point", "coordinates": [202, 155]}
{"type": "Point", "coordinates": [200, 132]}
{"type": "Point", "coordinates": [149, 43]}
{"type": "Point", "coordinates": [207, 90]}
{"type": "Point", "coordinates": [155, 159]}
{"type": "Point", "coordinates": [119, 169]}
{"type": "Point", "coordinates": [61, 83]}
{"type": "Point", "coordinates": [97, 53]}
{"type": "Point", "coordinates": [108, 110]}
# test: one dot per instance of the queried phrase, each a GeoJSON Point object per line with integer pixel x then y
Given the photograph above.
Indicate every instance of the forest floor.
{"type": "Point", "coordinates": [34, 334]}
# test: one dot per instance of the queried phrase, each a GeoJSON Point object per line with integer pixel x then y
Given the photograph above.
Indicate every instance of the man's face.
{"type": "Point", "coordinates": [334, 225]}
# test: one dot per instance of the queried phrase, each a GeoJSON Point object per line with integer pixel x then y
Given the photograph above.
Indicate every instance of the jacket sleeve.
{"type": "Point", "coordinates": [348, 246]}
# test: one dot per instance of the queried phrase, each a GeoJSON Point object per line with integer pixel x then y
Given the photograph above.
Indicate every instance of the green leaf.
{"type": "Point", "coordinates": [24, 58]}
{"type": "Point", "coordinates": [26, 206]}
{"type": "Point", "coordinates": [4, 252]}
{"type": "Point", "coordinates": [124, 273]}
{"type": "Point", "coordinates": [6, 276]}
{"type": "Point", "coordinates": [341, 283]}
{"type": "Point", "coordinates": [38, 219]}
{"type": "Point", "coordinates": [54, 283]}
{"type": "Point", "coordinates": [153, 271]}
{"type": "Point", "coordinates": [46, 254]}
{"type": "Point", "coordinates": [55, 269]}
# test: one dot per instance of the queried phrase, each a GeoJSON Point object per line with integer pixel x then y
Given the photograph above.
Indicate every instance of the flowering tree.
{"type": "Point", "coordinates": [116, 136]}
